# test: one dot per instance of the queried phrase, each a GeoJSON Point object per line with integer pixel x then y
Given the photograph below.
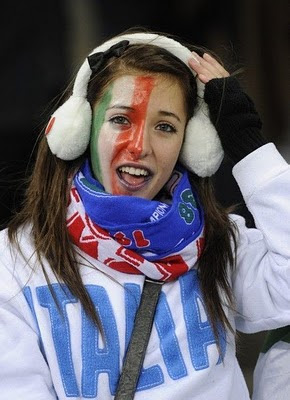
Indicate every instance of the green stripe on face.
{"type": "Point", "coordinates": [99, 113]}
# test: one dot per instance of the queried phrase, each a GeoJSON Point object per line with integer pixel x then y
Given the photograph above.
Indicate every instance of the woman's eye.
{"type": "Point", "coordinates": [165, 127]}
{"type": "Point", "coordinates": [119, 120]}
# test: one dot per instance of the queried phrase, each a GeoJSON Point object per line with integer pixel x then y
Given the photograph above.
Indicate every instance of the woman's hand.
{"type": "Point", "coordinates": [231, 110]}
{"type": "Point", "coordinates": [206, 67]}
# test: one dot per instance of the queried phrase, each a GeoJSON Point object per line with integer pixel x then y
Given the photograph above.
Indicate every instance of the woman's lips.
{"type": "Point", "coordinates": [133, 178]}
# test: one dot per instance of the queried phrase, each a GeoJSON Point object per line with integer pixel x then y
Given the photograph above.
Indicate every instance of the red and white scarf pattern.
{"type": "Point", "coordinates": [112, 252]}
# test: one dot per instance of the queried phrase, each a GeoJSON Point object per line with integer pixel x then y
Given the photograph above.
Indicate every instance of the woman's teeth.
{"type": "Point", "coordinates": [134, 171]}
{"type": "Point", "coordinates": [132, 178]}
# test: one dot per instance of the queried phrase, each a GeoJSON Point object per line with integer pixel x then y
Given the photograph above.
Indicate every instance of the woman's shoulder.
{"type": "Point", "coordinates": [5, 247]}
{"type": "Point", "coordinates": [14, 252]}
{"type": "Point", "coordinates": [23, 236]}
{"type": "Point", "coordinates": [3, 237]}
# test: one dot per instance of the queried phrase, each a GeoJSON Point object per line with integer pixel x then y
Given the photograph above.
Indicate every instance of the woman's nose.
{"type": "Point", "coordinates": [140, 144]}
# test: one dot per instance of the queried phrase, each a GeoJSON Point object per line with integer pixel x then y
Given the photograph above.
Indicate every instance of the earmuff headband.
{"type": "Point", "coordinates": [68, 131]}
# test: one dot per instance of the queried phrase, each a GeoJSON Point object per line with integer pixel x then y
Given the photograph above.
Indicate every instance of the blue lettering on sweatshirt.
{"type": "Point", "coordinates": [60, 332]}
{"type": "Point", "coordinates": [199, 333]}
{"type": "Point", "coordinates": [97, 359]}
{"type": "Point", "coordinates": [102, 355]}
{"type": "Point", "coordinates": [28, 297]}
{"type": "Point", "coordinates": [169, 345]}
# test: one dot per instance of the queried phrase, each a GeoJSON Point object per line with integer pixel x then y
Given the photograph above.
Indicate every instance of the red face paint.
{"type": "Point", "coordinates": [130, 141]}
{"type": "Point", "coordinates": [49, 126]}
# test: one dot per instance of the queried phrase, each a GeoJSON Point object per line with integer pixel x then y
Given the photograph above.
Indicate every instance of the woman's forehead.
{"type": "Point", "coordinates": [161, 89]}
{"type": "Point", "coordinates": [125, 84]}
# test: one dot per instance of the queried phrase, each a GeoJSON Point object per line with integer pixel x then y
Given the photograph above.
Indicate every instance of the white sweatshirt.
{"type": "Point", "coordinates": [272, 373]}
{"type": "Point", "coordinates": [44, 356]}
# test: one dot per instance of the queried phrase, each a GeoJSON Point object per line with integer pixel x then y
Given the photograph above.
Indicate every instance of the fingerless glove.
{"type": "Point", "coordinates": [234, 115]}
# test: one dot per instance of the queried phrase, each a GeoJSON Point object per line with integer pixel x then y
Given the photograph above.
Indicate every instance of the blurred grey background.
{"type": "Point", "coordinates": [44, 43]}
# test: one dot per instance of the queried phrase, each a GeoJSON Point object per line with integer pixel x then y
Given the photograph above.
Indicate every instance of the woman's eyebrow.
{"type": "Point", "coordinates": [169, 114]}
{"type": "Point", "coordinates": [122, 107]}
{"type": "Point", "coordinates": [160, 112]}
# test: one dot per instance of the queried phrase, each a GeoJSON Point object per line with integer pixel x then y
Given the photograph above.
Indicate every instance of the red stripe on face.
{"type": "Point", "coordinates": [130, 140]}
{"type": "Point", "coordinates": [49, 126]}
{"type": "Point", "coordinates": [142, 92]}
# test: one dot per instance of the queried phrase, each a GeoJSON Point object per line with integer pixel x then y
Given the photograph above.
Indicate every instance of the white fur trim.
{"type": "Point", "coordinates": [202, 152]}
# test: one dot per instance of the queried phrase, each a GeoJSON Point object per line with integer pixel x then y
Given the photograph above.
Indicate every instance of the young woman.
{"type": "Point", "coordinates": [120, 193]}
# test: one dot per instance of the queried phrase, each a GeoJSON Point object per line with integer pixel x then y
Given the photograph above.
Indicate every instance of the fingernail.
{"type": "Point", "coordinates": [194, 60]}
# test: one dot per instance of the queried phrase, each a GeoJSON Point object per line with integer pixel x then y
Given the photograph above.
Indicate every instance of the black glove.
{"type": "Point", "coordinates": [234, 115]}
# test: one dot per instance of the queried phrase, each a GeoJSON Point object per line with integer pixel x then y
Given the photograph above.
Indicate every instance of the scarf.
{"type": "Point", "coordinates": [161, 239]}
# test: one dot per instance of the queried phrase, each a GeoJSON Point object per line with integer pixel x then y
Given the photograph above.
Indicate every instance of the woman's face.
{"type": "Point", "coordinates": [137, 132]}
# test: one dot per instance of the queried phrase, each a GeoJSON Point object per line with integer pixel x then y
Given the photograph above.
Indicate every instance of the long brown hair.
{"type": "Point", "coordinates": [46, 199]}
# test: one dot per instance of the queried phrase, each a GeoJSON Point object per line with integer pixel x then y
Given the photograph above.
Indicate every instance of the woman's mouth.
{"type": "Point", "coordinates": [133, 178]}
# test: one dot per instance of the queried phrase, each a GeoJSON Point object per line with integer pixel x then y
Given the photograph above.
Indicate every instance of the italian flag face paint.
{"type": "Point", "coordinates": [98, 121]}
{"type": "Point", "coordinates": [118, 130]}
{"type": "Point", "coordinates": [137, 133]}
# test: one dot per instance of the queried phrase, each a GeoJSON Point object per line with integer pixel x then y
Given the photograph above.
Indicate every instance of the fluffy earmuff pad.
{"type": "Point", "coordinates": [68, 132]}
{"type": "Point", "coordinates": [201, 152]}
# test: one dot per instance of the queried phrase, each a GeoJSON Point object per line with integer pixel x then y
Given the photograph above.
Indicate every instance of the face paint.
{"type": "Point", "coordinates": [137, 134]}
{"type": "Point", "coordinates": [131, 140]}
{"type": "Point", "coordinates": [98, 120]}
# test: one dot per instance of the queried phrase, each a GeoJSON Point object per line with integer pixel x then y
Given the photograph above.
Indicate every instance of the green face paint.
{"type": "Point", "coordinates": [98, 119]}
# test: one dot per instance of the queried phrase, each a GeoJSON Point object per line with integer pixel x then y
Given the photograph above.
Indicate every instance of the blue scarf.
{"type": "Point", "coordinates": [152, 228]}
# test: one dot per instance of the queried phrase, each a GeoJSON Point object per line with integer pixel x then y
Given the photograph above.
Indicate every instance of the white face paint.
{"type": "Point", "coordinates": [137, 134]}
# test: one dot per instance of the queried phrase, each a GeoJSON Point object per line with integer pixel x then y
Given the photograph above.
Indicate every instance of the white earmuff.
{"type": "Point", "coordinates": [69, 128]}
